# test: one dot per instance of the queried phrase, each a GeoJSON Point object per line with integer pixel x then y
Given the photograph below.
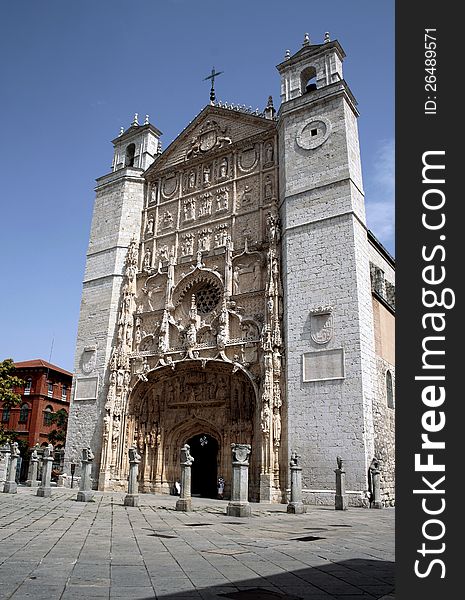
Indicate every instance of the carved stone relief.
{"type": "Point", "coordinates": [222, 199]}
{"type": "Point", "coordinates": [210, 135]}
{"type": "Point", "coordinates": [268, 151]}
{"type": "Point", "coordinates": [248, 193]}
{"type": "Point", "coordinates": [221, 235]}
{"type": "Point", "coordinates": [204, 242]}
{"type": "Point", "coordinates": [205, 205]}
{"type": "Point", "coordinates": [247, 159]}
{"type": "Point", "coordinates": [247, 274]}
{"type": "Point", "coordinates": [149, 227]}
{"type": "Point", "coordinates": [170, 185]}
{"type": "Point", "coordinates": [268, 188]}
{"type": "Point", "coordinates": [187, 244]}
{"type": "Point", "coordinates": [189, 209]}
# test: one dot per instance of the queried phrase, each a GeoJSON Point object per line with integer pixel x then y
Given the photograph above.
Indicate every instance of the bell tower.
{"type": "Point", "coordinates": [116, 221]}
{"type": "Point", "coordinates": [327, 300]}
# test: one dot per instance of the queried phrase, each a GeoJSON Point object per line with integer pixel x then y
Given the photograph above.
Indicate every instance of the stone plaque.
{"type": "Point", "coordinates": [323, 364]}
{"type": "Point", "coordinates": [86, 388]}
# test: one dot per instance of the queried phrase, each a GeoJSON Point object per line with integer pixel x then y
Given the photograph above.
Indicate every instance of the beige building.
{"type": "Point", "coordinates": [233, 294]}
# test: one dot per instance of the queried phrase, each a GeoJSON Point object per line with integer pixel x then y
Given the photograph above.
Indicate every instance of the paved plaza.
{"type": "Point", "coordinates": [57, 548]}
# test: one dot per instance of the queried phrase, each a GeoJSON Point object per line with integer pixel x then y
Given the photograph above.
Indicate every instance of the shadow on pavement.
{"type": "Point", "coordinates": [355, 579]}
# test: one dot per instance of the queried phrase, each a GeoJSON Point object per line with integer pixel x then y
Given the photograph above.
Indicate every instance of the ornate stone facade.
{"type": "Point", "coordinates": [228, 297]}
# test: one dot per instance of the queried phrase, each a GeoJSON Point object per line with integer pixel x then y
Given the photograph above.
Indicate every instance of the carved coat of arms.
{"type": "Point", "coordinates": [211, 135]}
{"type": "Point", "coordinates": [321, 326]}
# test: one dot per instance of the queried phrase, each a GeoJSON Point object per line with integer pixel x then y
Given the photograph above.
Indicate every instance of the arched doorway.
{"type": "Point", "coordinates": [204, 470]}
{"type": "Point", "coordinates": [183, 405]}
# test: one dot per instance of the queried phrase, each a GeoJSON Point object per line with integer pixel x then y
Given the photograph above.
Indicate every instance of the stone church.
{"type": "Point", "coordinates": [233, 294]}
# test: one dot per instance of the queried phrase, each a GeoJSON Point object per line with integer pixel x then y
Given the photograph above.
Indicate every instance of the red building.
{"type": "Point", "coordinates": [45, 392]}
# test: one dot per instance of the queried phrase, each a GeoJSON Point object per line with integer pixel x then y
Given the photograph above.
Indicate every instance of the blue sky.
{"type": "Point", "coordinates": [73, 73]}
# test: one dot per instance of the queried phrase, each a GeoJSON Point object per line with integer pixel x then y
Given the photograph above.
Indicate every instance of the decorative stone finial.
{"type": "Point", "coordinates": [287, 55]}
{"type": "Point", "coordinates": [136, 120]}
{"type": "Point", "coordinates": [269, 110]}
{"type": "Point", "coordinates": [146, 122]}
{"type": "Point", "coordinates": [121, 131]}
{"type": "Point", "coordinates": [327, 38]}
{"type": "Point", "coordinates": [306, 41]}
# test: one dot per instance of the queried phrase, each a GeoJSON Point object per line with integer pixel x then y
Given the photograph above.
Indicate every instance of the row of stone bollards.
{"type": "Point", "coordinates": [11, 456]}
{"type": "Point", "coordinates": [238, 506]}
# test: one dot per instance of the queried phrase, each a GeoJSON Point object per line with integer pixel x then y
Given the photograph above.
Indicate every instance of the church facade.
{"type": "Point", "coordinates": [233, 294]}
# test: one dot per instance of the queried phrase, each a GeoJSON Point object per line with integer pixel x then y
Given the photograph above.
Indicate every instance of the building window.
{"type": "Point", "coordinates": [130, 153]}
{"type": "Point", "coordinates": [389, 390]}
{"type": "Point", "coordinates": [49, 389]}
{"type": "Point", "coordinates": [64, 389]}
{"type": "Point", "coordinates": [308, 80]}
{"type": "Point", "coordinates": [6, 414]}
{"type": "Point", "coordinates": [24, 413]}
{"type": "Point", "coordinates": [28, 386]}
{"type": "Point", "coordinates": [48, 415]}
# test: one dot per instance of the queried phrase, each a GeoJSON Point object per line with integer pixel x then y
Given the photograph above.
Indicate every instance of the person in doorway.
{"type": "Point", "coordinates": [220, 488]}
{"type": "Point", "coordinates": [177, 488]}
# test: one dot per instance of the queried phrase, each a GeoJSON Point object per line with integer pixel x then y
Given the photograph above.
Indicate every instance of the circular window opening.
{"type": "Point", "coordinates": [206, 298]}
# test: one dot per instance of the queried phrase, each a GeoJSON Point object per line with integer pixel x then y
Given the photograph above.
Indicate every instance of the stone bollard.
{"type": "Point", "coordinates": [33, 468]}
{"type": "Point", "coordinates": [11, 487]}
{"type": "Point", "coordinates": [5, 453]}
{"type": "Point", "coordinates": [132, 497]}
{"type": "Point", "coordinates": [86, 493]}
{"type": "Point", "coordinates": [239, 505]}
{"type": "Point", "coordinates": [375, 500]}
{"type": "Point", "coordinates": [185, 500]}
{"type": "Point", "coordinates": [340, 499]}
{"type": "Point", "coordinates": [296, 506]}
{"type": "Point", "coordinates": [44, 490]}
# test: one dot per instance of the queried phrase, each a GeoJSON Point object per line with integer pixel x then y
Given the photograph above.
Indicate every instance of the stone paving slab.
{"type": "Point", "coordinates": [59, 549]}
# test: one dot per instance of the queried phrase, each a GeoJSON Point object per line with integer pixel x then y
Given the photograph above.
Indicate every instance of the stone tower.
{"type": "Point", "coordinates": [326, 276]}
{"type": "Point", "coordinates": [116, 221]}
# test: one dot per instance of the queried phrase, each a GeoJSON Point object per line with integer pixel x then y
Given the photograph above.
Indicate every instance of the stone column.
{"type": "Point", "coordinates": [296, 506]}
{"type": "Point", "coordinates": [44, 490]}
{"type": "Point", "coordinates": [340, 500]}
{"type": "Point", "coordinates": [33, 468]}
{"type": "Point", "coordinates": [375, 501]}
{"type": "Point", "coordinates": [86, 493]}
{"type": "Point", "coordinates": [5, 453]}
{"type": "Point", "coordinates": [132, 497]}
{"type": "Point", "coordinates": [239, 505]}
{"type": "Point", "coordinates": [185, 501]}
{"type": "Point", "coordinates": [11, 486]}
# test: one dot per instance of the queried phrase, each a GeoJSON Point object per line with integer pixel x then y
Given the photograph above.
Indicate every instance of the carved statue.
{"type": "Point", "coordinates": [294, 459]}
{"type": "Point", "coordinates": [269, 153]}
{"type": "Point", "coordinates": [191, 182]}
{"type": "Point", "coordinates": [276, 427]}
{"type": "Point", "coordinates": [266, 418]}
{"type": "Point", "coordinates": [147, 259]}
{"type": "Point", "coordinates": [236, 274]}
{"type": "Point", "coordinates": [134, 456]}
{"type": "Point", "coordinates": [87, 454]}
{"type": "Point", "coordinates": [186, 458]}
{"type": "Point", "coordinates": [224, 167]}
{"type": "Point", "coordinates": [206, 174]}
{"type": "Point", "coordinates": [268, 188]}
{"type": "Point", "coordinates": [149, 227]}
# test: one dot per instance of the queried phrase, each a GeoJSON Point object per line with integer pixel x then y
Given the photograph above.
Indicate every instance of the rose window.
{"type": "Point", "coordinates": [207, 297]}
